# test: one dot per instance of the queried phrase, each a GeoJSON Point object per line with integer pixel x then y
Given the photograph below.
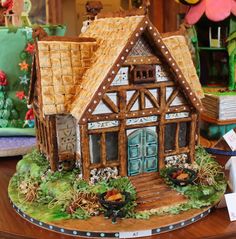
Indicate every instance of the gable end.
{"type": "Point", "coordinates": [144, 25]}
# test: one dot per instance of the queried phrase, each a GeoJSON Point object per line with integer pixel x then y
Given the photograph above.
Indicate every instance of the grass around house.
{"type": "Point", "coordinates": [49, 197]}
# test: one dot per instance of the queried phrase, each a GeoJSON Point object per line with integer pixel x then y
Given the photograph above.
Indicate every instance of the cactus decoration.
{"type": "Point", "coordinates": [8, 114]}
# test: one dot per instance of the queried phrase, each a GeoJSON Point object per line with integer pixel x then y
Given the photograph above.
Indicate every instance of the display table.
{"type": "Point", "coordinates": [216, 225]}
{"type": "Point", "coordinates": [13, 146]}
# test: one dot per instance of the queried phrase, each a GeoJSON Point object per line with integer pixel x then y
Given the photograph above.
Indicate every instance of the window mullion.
{"type": "Point", "coordinates": [103, 149]}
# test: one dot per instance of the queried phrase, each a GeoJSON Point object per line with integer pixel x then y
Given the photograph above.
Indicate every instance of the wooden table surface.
{"type": "Point", "coordinates": [216, 225]}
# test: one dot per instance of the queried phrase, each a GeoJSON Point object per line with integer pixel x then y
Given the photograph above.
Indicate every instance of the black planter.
{"type": "Point", "coordinates": [114, 209]}
{"type": "Point", "coordinates": [192, 176]}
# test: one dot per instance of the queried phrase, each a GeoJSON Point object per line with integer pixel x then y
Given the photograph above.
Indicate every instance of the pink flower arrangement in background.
{"type": "Point", "coordinates": [3, 79]}
{"type": "Point", "coordinates": [215, 10]}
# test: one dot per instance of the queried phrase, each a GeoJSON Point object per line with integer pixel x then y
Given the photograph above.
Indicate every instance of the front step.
{"type": "Point", "coordinates": [152, 192]}
{"type": "Point", "coordinates": [144, 177]}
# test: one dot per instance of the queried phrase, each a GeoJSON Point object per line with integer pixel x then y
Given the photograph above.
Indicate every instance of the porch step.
{"type": "Point", "coordinates": [153, 193]}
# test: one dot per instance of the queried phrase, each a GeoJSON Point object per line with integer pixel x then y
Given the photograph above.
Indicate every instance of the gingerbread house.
{"type": "Point", "coordinates": [119, 96]}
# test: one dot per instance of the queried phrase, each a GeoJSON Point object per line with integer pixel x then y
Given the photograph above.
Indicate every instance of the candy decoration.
{"type": "Point", "coordinates": [24, 66]}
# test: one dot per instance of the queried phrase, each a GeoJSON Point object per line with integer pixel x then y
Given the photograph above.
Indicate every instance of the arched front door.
{"type": "Point", "coordinates": [142, 151]}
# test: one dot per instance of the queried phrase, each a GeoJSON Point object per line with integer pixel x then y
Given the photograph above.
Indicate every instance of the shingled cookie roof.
{"type": "Point", "coordinates": [93, 65]}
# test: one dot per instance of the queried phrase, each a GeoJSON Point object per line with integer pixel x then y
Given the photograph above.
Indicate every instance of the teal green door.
{"type": "Point", "coordinates": [142, 152]}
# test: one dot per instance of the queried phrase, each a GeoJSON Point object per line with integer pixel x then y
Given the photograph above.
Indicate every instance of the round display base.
{"type": "Point", "coordinates": [13, 146]}
{"type": "Point", "coordinates": [99, 227]}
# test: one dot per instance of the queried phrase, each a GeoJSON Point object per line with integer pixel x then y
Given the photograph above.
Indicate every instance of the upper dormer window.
{"type": "Point", "coordinates": [144, 74]}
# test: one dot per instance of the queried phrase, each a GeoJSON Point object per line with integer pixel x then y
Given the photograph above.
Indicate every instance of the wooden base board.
{"type": "Point", "coordinates": [99, 227]}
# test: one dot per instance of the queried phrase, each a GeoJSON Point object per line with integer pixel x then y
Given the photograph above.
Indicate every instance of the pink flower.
{"type": "Point", "coordinates": [29, 115]}
{"type": "Point", "coordinates": [215, 10]}
{"type": "Point", "coordinates": [20, 95]}
{"type": "Point", "coordinates": [3, 79]}
{"type": "Point", "coordinates": [30, 48]}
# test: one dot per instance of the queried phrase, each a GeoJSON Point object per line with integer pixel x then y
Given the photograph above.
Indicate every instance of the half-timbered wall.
{"type": "Point", "coordinates": [126, 107]}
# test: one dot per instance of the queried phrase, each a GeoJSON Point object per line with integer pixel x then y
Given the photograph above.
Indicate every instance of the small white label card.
{"type": "Point", "coordinates": [135, 234]}
{"type": "Point", "coordinates": [230, 139]}
{"type": "Point", "coordinates": [231, 205]}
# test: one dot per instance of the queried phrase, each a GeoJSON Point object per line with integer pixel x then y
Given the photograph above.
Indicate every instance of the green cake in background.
{"type": "Point", "coordinates": [16, 50]}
